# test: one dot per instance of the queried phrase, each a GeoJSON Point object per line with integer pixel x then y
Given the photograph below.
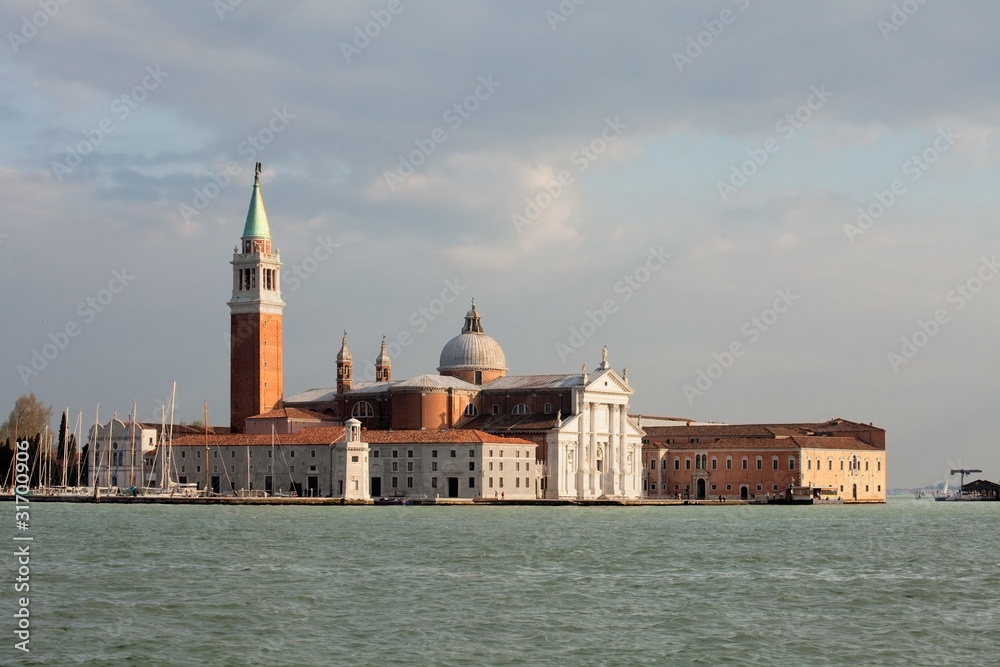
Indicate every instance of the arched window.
{"type": "Point", "coordinates": [362, 409]}
{"type": "Point", "coordinates": [521, 409]}
{"type": "Point", "coordinates": [471, 410]}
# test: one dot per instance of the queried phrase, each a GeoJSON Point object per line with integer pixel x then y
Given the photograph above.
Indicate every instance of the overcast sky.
{"type": "Point", "coordinates": [683, 182]}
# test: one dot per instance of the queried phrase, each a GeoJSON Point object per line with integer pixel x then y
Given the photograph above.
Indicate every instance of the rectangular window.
{"type": "Point", "coordinates": [729, 487]}
{"type": "Point", "coordinates": [809, 464]}
{"type": "Point", "coordinates": [409, 453]}
{"type": "Point", "coordinates": [501, 482]}
{"type": "Point", "coordinates": [517, 466]}
{"type": "Point", "coordinates": [374, 453]}
{"type": "Point", "coordinates": [491, 466]}
{"type": "Point", "coordinates": [841, 466]}
{"type": "Point", "coordinates": [409, 466]}
{"type": "Point", "coordinates": [496, 409]}
{"type": "Point", "coordinates": [517, 482]}
{"type": "Point", "coordinates": [663, 464]}
{"type": "Point", "coordinates": [491, 482]}
{"type": "Point", "coordinates": [472, 453]}
{"type": "Point", "coordinates": [831, 466]}
{"type": "Point", "coordinates": [547, 409]}
{"type": "Point", "coordinates": [745, 466]}
{"type": "Point", "coordinates": [472, 482]}
{"type": "Point", "coordinates": [677, 463]}
{"type": "Point", "coordinates": [434, 466]}
{"type": "Point", "coordinates": [409, 482]}
{"type": "Point", "coordinates": [395, 453]}
{"type": "Point", "coordinates": [354, 459]}
{"type": "Point", "coordinates": [774, 464]}
{"type": "Point", "coordinates": [760, 463]}
{"type": "Point", "coordinates": [791, 463]}
{"type": "Point", "coordinates": [395, 482]}
{"type": "Point", "coordinates": [434, 482]}
{"type": "Point", "coordinates": [434, 453]}
{"type": "Point", "coordinates": [312, 453]}
{"type": "Point", "coordinates": [472, 465]}
{"type": "Point", "coordinates": [527, 466]}
{"type": "Point", "coordinates": [687, 464]}
{"type": "Point", "coordinates": [501, 466]}
{"type": "Point", "coordinates": [454, 453]}
{"type": "Point", "coordinates": [291, 454]}
{"type": "Point", "coordinates": [715, 463]}
{"type": "Point", "coordinates": [395, 466]}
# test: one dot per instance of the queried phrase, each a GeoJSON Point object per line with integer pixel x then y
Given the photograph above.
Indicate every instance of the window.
{"type": "Point", "coordinates": [501, 482]}
{"type": "Point", "coordinates": [409, 453]}
{"type": "Point", "coordinates": [470, 410]}
{"type": "Point", "coordinates": [527, 466]}
{"type": "Point", "coordinates": [395, 454]}
{"type": "Point", "coordinates": [472, 453]}
{"type": "Point", "coordinates": [715, 465]}
{"type": "Point", "coordinates": [232, 454]}
{"type": "Point", "coordinates": [453, 453]}
{"type": "Point", "coordinates": [472, 465]}
{"type": "Point", "coordinates": [491, 482]}
{"type": "Point", "coordinates": [517, 482]}
{"type": "Point", "coordinates": [841, 465]}
{"type": "Point", "coordinates": [809, 464]}
{"type": "Point", "coordinates": [760, 463]}
{"type": "Point", "coordinates": [491, 466]}
{"type": "Point", "coordinates": [501, 466]}
{"type": "Point", "coordinates": [395, 482]}
{"type": "Point", "coordinates": [729, 463]}
{"type": "Point", "coordinates": [312, 453]}
{"type": "Point", "coordinates": [759, 487]}
{"type": "Point", "coordinates": [496, 409]}
{"type": "Point", "coordinates": [354, 459]}
{"type": "Point", "coordinates": [687, 464]}
{"type": "Point", "coordinates": [547, 408]}
{"type": "Point", "coordinates": [183, 453]}
{"type": "Point", "coordinates": [362, 409]}
{"type": "Point", "coordinates": [521, 409]}
{"type": "Point", "coordinates": [434, 453]}
{"type": "Point", "coordinates": [746, 462]}
{"type": "Point", "coordinates": [395, 466]}
{"type": "Point", "coordinates": [517, 466]}
{"type": "Point", "coordinates": [677, 463]}
{"type": "Point", "coordinates": [831, 466]}
{"type": "Point", "coordinates": [434, 466]}
{"type": "Point", "coordinates": [434, 482]}
{"type": "Point", "coordinates": [374, 453]}
{"type": "Point", "coordinates": [291, 454]}
{"type": "Point", "coordinates": [878, 465]}
{"type": "Point", "coordinates": [472, 482]}
{"type": "Point", "coordinates": [652, 464]}
{"type": "Point", "coordinates": [866, 466]}
{"type": "Point", "coordinates": [774, 463]}
{"type": "Point", "coordinates": [729, 487]}
{"type": "Point", "coordinates": [791, 463]}
{"type": "Point", "coordinates": [774, 487]}
{"type": "Point", "coordinates": [663, 464]}
{"type": "Point", "coordinates": [409, 482]}
{"type": "Point", "coordinates": [409, 466]}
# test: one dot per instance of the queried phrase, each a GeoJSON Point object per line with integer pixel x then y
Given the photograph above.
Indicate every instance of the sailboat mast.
{"type": "Point", "coordinates": [65, 439]}
{"type": "Point", "coordinates": [111, 427]}
{"type": "Point", "coordinates": [92, 464]}
{"type": "Point", "coordinates": [131, 460]}
{"type": "Point", "coordinates": [78, 455]}
{"type": "Point", "coordinates": [170, 440]}
{"type": "Point", "coordinates": [205, 417]}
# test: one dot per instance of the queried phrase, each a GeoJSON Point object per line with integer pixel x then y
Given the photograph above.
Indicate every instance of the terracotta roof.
{"type": "Point", "coordinates": [512, 423]}
{"type": "Point", "coordinates": [293, 413]}
{"type": "Point", "coordinates": [834, 442]}
{"type": "Point", "coordinates": [326, 435]}
{"type": "Point", "coordinates": [753, 443]}
{"type": "Point", "coordinates": [757, 430]}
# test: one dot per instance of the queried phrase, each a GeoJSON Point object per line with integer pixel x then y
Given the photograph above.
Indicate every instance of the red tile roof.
{"type": "Point", "coordinates": [326, 435]}
{"type": "Point", "coordinates": [293, 413]}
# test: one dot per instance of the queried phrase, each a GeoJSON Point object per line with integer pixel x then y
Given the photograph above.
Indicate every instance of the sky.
{"type": "Point", "coordinates": [768, 211]}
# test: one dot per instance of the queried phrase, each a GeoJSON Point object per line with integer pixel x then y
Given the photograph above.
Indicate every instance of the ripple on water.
{"type": "Point", "coordinates": [907, 583]}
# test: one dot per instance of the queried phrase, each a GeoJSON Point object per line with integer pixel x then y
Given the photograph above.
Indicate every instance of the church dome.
{"type": "Point", "coordinates": [472, 350]}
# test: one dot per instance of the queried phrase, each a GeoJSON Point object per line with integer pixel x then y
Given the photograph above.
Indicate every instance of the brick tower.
{"type": "Point", "coordinates": [255, 374]}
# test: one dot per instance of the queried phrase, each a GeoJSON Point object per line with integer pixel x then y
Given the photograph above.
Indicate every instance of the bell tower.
{"type": "Point", "coordinates": [255, 373]}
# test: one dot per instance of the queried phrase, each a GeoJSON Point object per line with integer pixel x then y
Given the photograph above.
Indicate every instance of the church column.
{"type": "Point", "coordinates": [627, 478]}
{"type": "Point", "coordinates": [595, 475]}
{"type": "Point", "coordinates": [582, 455]}
{"type": "Point", "coordinates": [615, 454]}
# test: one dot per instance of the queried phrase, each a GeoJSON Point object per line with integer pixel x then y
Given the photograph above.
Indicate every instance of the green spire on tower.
{"type": "Point", "coordinates": [256, 226]}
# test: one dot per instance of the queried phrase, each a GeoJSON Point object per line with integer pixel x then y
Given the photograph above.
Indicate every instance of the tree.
{"type": "Point", "coordinates": [28, 418]}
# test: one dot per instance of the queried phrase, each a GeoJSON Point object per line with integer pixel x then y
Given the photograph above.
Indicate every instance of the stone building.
{"type": "Point", "coordinates": [839, 458]}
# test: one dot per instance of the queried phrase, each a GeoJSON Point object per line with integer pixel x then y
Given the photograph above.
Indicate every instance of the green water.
{"type": "Point", "coordinates": [909, 583]}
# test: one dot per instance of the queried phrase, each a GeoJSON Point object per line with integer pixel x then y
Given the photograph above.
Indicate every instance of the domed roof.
{"type": "Point", "coordinates": [472, 349]}
{"type": "Point", "coordinates": [344, 355]}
